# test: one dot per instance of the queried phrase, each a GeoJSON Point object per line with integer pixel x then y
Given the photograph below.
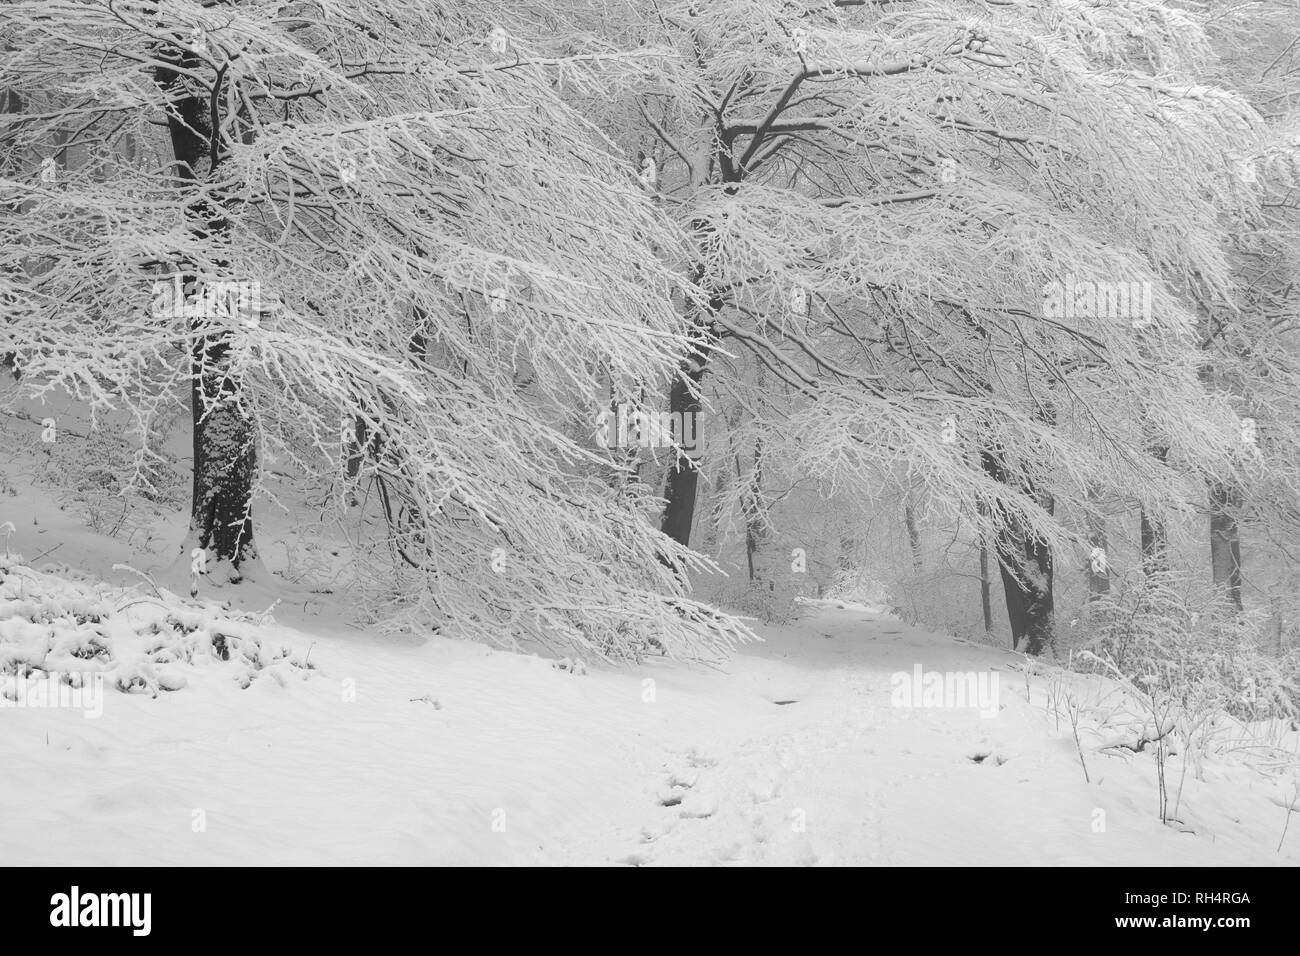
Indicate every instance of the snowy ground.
{"type": "Point", "coordinates": [298, 739]}
{"type": "Point", "coordinates": [438, 752]}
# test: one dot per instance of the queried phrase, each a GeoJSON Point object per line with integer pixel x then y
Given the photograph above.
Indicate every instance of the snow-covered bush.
{"type": "Point", "coordinates": [1167, 636]}
{"type": "Point", "coordinates": [51, 624]}
{"type": "Point", "coordinates": [1191, 670]}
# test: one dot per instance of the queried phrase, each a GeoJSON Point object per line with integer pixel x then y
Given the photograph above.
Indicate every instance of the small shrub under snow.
{"type": "Point", "coordinates": [51, 625]}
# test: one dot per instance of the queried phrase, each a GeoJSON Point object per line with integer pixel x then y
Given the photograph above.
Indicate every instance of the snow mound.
{"type": "Point", "coordinates": [135, 643]}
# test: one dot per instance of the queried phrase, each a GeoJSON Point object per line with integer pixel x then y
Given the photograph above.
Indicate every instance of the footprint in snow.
{"type": "Point", "coordinates": [679, 782]}
{"type": "Point", "coordinates": [698, 807]}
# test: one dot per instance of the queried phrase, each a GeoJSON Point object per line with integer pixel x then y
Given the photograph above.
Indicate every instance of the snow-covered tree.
{"type": "Point", "coordinates": [374, 246]}
{"type": "Point", "coordinates": [1002, 216]}
{"type": "Point", "coordinates": [1250, 342]}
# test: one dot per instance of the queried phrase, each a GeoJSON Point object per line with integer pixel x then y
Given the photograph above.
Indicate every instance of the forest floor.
{"type": "Point", "coordinates": [311, 747]}
{"type": "Point", "coordinates": [227, 735]}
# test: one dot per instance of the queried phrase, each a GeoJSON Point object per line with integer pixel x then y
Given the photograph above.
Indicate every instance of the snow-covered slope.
{"type": "Point", "coordinates": [334, 746]}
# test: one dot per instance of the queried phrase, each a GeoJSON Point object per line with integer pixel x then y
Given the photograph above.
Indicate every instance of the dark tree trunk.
{"type": "Point", "coordinates": [1025, 561]}
{"type": "Point", "coordinates": [681, 487]}
{"type": "Point", "coordinates": [225, 458]}
{"type": "Point", "coordinates": [1225, 541]}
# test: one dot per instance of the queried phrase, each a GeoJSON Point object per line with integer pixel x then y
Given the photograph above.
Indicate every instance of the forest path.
{"type": "Point", "coordinates": [841, 775]}
{"type": "Point", "coordinates": [419, 750]}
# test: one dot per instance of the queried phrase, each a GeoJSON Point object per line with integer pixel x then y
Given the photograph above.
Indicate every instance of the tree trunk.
{"type": "Point", "coordinates": [986, 585]}
{"type": "Point", "coordinates": [682, 484]}
{"type": "Point", "coordinates": [755, 511]}
{"type": "Point", "coordinates": [755, 506]}
{"type": "Point", "coordinates": [10, 102]}
{"type": "Point", "coordinates": [225, 458]}
{"type": "Point", "coordinates": [722, 486]}
{"type": "Point", "coordinates": [1098, 564]}
{"type": "Point", "coordinates": [1025, 561]}
{"type": "Point", "coordinates": [1225, 541]}
{"type": "Point", "coordinates": [1155, 546]}
{"type": "Point", "coordinates": [1155, 539]}
{"type": "Point", "coordinates": [913, 537]}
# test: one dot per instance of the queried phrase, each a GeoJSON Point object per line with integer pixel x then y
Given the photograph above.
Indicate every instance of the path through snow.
{"type": "Point", "coordinates": [439, 752]}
